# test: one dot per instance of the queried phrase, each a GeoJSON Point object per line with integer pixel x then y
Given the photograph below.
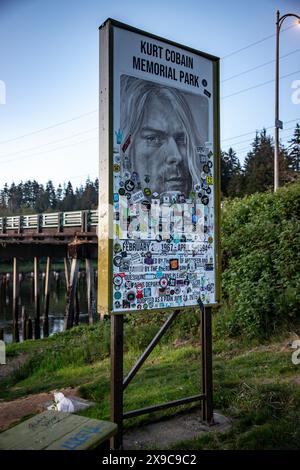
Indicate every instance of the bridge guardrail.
{"type": "Point", "coordinates": [48, 220]}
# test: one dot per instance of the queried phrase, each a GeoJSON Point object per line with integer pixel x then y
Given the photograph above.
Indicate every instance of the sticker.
{"type": "Point", "coordinates": [137, 197]}
{"type": "Point", "coordinates": [207, 93]}
{"type": "Point", "coordinates": [209, 267]}
{"type": "Point", "coordinates": [129, 185]}
{"type": "Point", "coordinates": [163, 282]}
{"type": "Point", "coordinates": [117, 261]}
{"type": "Point", "coordinates": [136, 258]}
{"type": "Point", "coordinates": [131, 296]}
{"type": "Point", "coordinates": [116, 197]}
{"type": "Point", "coordinates": [116, 167]}
{"type": "Point", "coordinates": [205, 168]}
{"type": "Point", "coordinates": [147, 292]}
{"type": "Point", "coordinates": [126, 143]}
{"type": "Point", "coordinates": [119, 136]}
{"type": "Point", "coordinates": [147, 192]}
{"type": "Point", "coordinates": [209, 180]}
{"type": "Point", "coordinates": [122, 191]}
{"type": "Point", "coordinates": [149, 276]}
{"type": "Point", "coordinates": [147, 178]}
{"type": "Point", "coordinates": [174, 264]}
{"type": "Point", "coordinates": [204, 83]}
{"type": "Point", "coordinates": [149, 260]}
{"type": "Point", "coordinates": [205, 200]}
{"type": "Point", "coordinates": [117, 295]}
{"type": "Point", "coordinates": [117, 247]}
{"type": "Point", "coordinates": [145, 206]}
{"type": "Point", "coordinates": [118, 280]}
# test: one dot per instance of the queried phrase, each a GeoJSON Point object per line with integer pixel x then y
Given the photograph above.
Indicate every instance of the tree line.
{"type": "Point", "coordinates": [257, 173]}
{"type": "Point", "coordinates": [33, 197]}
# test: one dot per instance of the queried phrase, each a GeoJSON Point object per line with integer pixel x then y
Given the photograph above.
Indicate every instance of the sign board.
{"type": "Point", "coordinates": [159, 173]}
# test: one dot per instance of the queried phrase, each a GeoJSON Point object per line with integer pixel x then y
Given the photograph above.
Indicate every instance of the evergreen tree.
{"type": "Point", "coordinates": [42, 202]}
{"type": "Point", "coordinates": [89, 199]}
{"type": "Point", "coordinates": [51, 194]}
{"type": "Point", "coordinates": [231, 173]}
{"type": "Point", "coordinates": [69, 200]}
{"type": "Point", "coordinates": [294, 151]}
{"type": "Point", "coordinates": [27, 195]}
{"type": "Point", "coordinates": [259, 164]}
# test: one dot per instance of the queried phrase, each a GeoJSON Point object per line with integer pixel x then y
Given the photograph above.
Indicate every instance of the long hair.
{"type": "Point", "coordinates": [135, 96]}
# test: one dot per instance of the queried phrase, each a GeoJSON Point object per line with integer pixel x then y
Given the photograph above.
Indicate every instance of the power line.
{"type": "Point", "coordinates": [245, 141]}
{"type": "Point", "coordinates": [247, 147]}
{"type": "Point", "coordinates": [48, 143]}
{"type": "Point", "coordinates": [49, 127]}
{"type": "Point", "coordinates": [258, 66]}
{"type": "Point", "coordinates": [47, 151]}
{"type": "Point", "coordinates": [258, 85]}
{"type": "Point", "coordinates": [94, 111]}
{"type": "Point", "coordinates": [255, 130]}
{"type": "Point", "coordinates": [255, 43]}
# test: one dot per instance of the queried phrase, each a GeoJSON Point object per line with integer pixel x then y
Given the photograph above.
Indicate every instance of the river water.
{"type": "Point", "coordinates": [56, 308]}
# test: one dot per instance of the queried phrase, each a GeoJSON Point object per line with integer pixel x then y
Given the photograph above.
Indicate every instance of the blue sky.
{"type": "Point", "coordinates": [49, 63]}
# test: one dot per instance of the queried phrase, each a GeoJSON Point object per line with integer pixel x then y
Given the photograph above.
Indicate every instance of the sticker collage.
{"type": "Point", "coordinates": [163, 247]}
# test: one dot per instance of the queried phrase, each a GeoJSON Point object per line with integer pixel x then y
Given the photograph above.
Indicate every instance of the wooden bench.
{"type": "Point", "coordinates": [54, 430]}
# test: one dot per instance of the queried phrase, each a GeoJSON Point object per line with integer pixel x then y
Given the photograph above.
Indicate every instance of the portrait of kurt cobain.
{"type": "Point", "coordinates": [162, 128]}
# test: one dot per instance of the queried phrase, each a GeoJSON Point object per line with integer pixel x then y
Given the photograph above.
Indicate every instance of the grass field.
{"type": "Point", "coordinates": [258, 386]}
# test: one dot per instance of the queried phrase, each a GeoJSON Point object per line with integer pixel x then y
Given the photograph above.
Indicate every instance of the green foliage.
{"type": "Point", "coordinates": [261, 262]}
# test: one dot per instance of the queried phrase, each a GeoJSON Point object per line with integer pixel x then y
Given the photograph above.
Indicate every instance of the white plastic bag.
{"type": "Point", "coordinates": [62, 403]}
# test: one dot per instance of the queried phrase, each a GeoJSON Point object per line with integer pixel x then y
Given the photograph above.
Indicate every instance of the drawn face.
{"type": "Point", "coordinates": [159, 149]}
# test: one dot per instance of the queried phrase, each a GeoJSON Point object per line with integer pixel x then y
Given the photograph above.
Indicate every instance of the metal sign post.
{"type": "Point", "coordinates": [159, 193]}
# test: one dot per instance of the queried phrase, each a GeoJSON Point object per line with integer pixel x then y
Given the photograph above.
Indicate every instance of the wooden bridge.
{"type": "Point", "coordinates": [52, 234]}
{"type": "Point", "coordinates": [71, 236]}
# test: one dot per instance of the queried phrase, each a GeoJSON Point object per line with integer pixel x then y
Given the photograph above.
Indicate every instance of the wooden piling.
{"type": "Point", "coordinates": [47, 298]}
{"type": "Point", "coordinates": [67, 271]}
{"type": "Point", "coordinates": [7, 289]}
{"type": "Point", "coordinates": [24, 320]}
{"type": "Point", "coordinates": [37, 332]}
{"type": "Point", "coordinates": [77, 306]}
{"type": "Point", "coordinates": [32, 286]}
{"type": "Point", "coordinates": [91, 294]}
{"type": "Point", "coordinates": [71, 294]}
{"type": "Point", "coordinates": [28, 329]}
{"type": "Point", "coordinates": [16, 293]}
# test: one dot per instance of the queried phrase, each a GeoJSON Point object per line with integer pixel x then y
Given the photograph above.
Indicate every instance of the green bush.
{"type": "Point", "coordinates": [261, 262]}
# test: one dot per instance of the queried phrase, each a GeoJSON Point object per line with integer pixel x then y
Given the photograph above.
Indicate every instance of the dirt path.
{"type": "Point", "coordinates": [13, 411]}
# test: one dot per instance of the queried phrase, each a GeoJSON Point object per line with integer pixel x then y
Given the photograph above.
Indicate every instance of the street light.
{"type": "Point", "coordinates": [278, 123]}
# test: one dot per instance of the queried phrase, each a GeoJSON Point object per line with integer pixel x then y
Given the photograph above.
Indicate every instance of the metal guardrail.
{"type": "Point", "coordinates": [50, 220]}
